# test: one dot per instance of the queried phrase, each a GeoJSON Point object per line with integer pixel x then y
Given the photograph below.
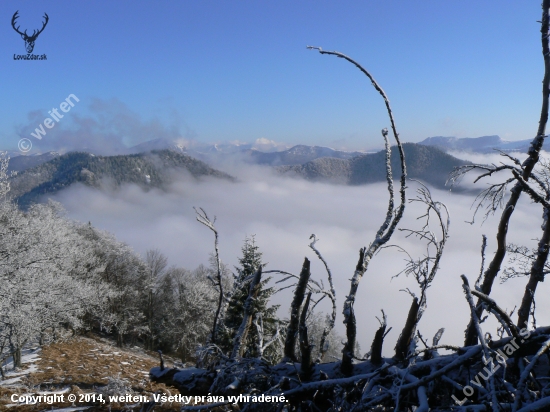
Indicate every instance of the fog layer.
{"type": "Point", "coordinates": [284, 212]}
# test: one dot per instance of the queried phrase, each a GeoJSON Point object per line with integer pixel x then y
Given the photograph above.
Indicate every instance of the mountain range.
{"type": "Point", "coordinates": [296, 155]}
{"type": "Point", "coordinates": [154, 169]}
{"type": "Point", "coordinates": [483, 144]}
{"type": "Point", "coordinates": [151, 164]}
{"type": "Point", "coordinates": [18, 162]}
{"type": "Point", "coordinates": [426, 163]}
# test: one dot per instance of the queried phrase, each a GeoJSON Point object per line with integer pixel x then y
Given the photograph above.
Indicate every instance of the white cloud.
{"type": "Point", "coordinates": [284, 212]}
{"type": "Point", "coordinates": [266, 145]}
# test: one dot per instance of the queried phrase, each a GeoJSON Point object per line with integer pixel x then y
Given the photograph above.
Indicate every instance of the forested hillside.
{"type": "Point", "coordinates": [297, 155]}
{"type": "Point", "coordinates": [428, 164]}
{"type": "Point", "coordinates": [155, 169]}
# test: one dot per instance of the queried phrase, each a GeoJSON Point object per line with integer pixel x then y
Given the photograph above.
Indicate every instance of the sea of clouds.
{"type": "Point", "coordinates": [283, 212]}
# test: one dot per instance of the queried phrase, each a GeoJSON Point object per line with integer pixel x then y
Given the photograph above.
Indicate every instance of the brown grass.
{"type": "Point", "coordinates": [85, 364]}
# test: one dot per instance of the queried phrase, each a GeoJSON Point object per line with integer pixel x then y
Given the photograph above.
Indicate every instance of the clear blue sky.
{"type": "Point", "coordinates": [228, 70]}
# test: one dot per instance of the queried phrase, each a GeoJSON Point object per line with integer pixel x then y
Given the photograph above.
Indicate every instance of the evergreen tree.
{"type": "Point", "coordinates": [250, 261]}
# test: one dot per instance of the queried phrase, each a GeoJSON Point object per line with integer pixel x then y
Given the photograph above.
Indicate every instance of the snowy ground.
{"type": "Point", "coordinates": [13, 377]}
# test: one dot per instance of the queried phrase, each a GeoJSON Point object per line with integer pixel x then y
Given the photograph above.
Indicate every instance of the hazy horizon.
{"type": "Point", "coordinates": [241, 71]}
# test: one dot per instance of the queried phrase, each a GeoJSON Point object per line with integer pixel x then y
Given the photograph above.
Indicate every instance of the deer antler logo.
{"type": "Point", "coordinates": [29, 40]}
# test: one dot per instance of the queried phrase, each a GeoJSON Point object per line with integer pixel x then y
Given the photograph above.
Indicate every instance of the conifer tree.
{"type": "Point", "coordinates": [250, 261]}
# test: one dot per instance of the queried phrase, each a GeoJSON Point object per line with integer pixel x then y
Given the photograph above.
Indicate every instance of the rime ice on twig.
{"type": "Point", "coordinates": [331, 295]}
{"type": "Point", "coordinates": [203, 218]}
{"type": "Point", "coordinates": [393, 216]}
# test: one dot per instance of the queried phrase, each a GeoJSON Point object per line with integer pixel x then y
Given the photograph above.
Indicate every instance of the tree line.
{"type": "Point", "coordinates": [59, 277]}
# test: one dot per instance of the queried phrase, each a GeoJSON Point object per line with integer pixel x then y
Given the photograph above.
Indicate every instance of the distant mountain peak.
{"type": "Point", "coordinates": [424, 162]}
{"type": "Point", "coordinates": [483, 144]}
{"type": "Point", "coordinates": [147, 170]}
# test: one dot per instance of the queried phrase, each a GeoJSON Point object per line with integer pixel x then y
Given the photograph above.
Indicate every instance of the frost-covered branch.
{"type": "Point", "coordinates": [384, 233]}
{"type": "Point", "coordinates": [293, 326]}
{"type": "Point", "coordinates": [527, 168]}
{"type": "Point", "coordinates": [423, 269]}
{"type": "Point", "coordinates": [242, 333]}
{"type": "Point", "coordinates": [533, 194]}
{"type": "Point", "coordinates": [500, 314]}
{"type": "Point", "coordinates": [482, 266]}
{"type": "Point", "coordinates": [331, 293]}
{"type": "Point", "coordinates": [203, 218]}
{"type": "Point", "coordinates": [305, 346]}
{"type": "Point", "coordinates": [520, 387]}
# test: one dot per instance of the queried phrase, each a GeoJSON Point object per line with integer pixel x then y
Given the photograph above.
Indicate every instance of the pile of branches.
{"type": "Point", "coordinates": [511, 373]}
{"type": "Point", "coordinates": [506, 374]}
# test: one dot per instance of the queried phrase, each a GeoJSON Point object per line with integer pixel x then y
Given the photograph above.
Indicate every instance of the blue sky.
{"type": "Point", "coordinates": [239, 70]}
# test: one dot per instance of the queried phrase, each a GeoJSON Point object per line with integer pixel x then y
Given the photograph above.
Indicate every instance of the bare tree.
{"type": "Point", "coordinates": [425, 268]}
{"type": "Point", "coordinates": [524, 172]}
{"type": "Point", "coordinates": [156, 264]}
{"type": "Point", "coordinates": [393, 216]}
{"type": "Point", "coordinates": [331, 293]}
{"type": "Point", "coordinates": [203, 218]}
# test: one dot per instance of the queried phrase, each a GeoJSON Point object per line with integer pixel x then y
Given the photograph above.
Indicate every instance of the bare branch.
{"type": "Point", "coordinates": [502, 316]}
{"type": "Point", "coordinates": [388, 226]}
{"type": "Point", "coordinates": [483, 246]}
{"type": "Point", "coordinates": [520, 387]}
{"type": "Point", "coordinates": [203, 218]}
{"type": "Point", "coordinates": [242, 333]}
{"type": "Point", "coordinates": [306, 366]}
{"type": "Point", "coordinates": [486, 350]}
{"type": "Point", "coordinates": [292, 329]}
{"type": "Point", "coordinates": [332, 296]}
{"type": "Point", "coordinates": [527, 168]}
{"type": "Point", "coordinates": [474, 315]}
{"type": "Point", "coordinates": [530, 191]}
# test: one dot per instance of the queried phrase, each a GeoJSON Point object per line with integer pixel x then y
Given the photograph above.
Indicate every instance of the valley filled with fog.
{"type": "Point", "coordinates": [283, 212]}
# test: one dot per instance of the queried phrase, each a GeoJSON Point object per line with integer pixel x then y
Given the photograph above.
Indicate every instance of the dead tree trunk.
{"type": "Point", "coordinates": [404, 341]}
{"type": "Point", "coordinates": [323, 344]}
{"type": "Point", "coordinates": [527, 166]}
{"type": "Point", "coordinates": [348, 353]}
{"type": "Point", "coordinates": [536, 275]}
{"type": "Point", "coordinates": [242, 333]}
{"type": "Point", "coordinates": [378, 341]}
{"type": "Point", "coordinates": [203, 218]}
{"type": "Point", "coordinates": [393, 216]}
{"type": "Point", "coordinates": [306, 366]}
{"type": "Point", "coordinates": [292, 330]}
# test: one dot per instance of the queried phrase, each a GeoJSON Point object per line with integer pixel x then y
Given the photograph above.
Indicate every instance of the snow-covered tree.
{"type": "Point", "coordinates": [187, 303]}
{"type": "Point", "coordinates": [126, 275]}
{"type": "Point", "coordinates": [156, 264]}
{"type": "Point", "coordinates": [250, 261]}
{"type": "Point", "coordinates": [47, 274]}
